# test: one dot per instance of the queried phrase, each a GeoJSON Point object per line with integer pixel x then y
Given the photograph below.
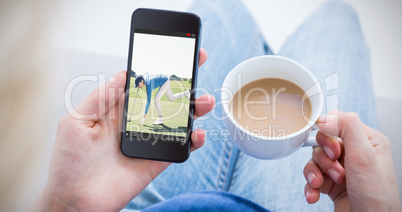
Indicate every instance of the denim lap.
{"type": "Point", "coordinates": [329, 43]}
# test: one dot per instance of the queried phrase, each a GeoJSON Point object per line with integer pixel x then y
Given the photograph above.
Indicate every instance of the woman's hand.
{"type": "Point", "coordinates": [353, 165]}
{"type": "Point", "coordinates": [88, 172]}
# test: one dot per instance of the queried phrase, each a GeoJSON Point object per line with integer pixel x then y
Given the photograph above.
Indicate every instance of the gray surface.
{"type": "Point", "coordinates": [390, 123]}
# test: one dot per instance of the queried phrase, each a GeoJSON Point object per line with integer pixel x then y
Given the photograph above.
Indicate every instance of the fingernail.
{"type": "Point", "coordinates": [329, 152]}
{"type": "Point", "coordinates": [325, 119]}
{"type": "Point", "coordinates": [333, 174]}
{"type": "Point", "coordinates": [307, 193]}
{"type": "Point", "coordinates": [310, 177]}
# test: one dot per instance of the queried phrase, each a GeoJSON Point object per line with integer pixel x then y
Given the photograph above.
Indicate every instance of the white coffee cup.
{"type": "Point", "coordinates": [270, 66]}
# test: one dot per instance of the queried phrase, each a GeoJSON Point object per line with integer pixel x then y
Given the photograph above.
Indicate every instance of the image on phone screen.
{"type": "Point", "coordinates": [160, 82]}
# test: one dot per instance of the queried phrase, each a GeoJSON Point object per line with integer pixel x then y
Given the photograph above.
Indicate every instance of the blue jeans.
{"type": "Point", "coordinates": [329, 43]}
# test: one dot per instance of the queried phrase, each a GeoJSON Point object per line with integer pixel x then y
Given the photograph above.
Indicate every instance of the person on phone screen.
{"type": "Point", "coordinates": [152, 82]}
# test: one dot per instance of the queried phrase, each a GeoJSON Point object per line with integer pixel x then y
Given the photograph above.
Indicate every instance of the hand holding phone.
{"type": "Point", "coordinates": [87, 158]}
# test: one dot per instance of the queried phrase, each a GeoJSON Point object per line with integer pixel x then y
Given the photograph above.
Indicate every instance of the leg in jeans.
{"type": "Point", "coordinates": [331, 45]}
{"type": "Point", "coordinates": [230, 36]}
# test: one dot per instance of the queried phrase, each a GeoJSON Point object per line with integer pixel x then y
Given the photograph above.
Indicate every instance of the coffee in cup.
{"type": "Point", "coordinates": [254, 73]}
{"type": "Point", "coordinates": [271, 107]}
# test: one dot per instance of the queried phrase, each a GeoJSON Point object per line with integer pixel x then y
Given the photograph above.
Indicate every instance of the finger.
{"type": "Point", "coordinates": [117, 120]}
{"type": "Point", "coordinates": [324, 119]}
{"type": "Point", "coordinates": [313, 174]}
{"type": "Point", "coordinates": [330, 167]}
{"type": "Point", "coordinates": [327, 185]}
{"type": "Point", "coordinates": [203, 57]}
{"type": "Point", "coordinates": [330, 144]}
{"type": "Point", "coordinates": [112, 120]}
{"type": "Point", "coordinates": [203, 105]}
{"type": "Point", "coordinates": [312, 195]}
{"type": "Point", "coordinates": [341, 158]}
{"type": "Point", "coordinates": [100, 100]}
{"type": "Point", "coordinates": [197, 139]}
{"type": "Point", "coordinates": [351, 130]}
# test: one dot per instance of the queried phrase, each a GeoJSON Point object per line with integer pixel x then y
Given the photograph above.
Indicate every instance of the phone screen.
{"type": "Point", "coordinates": [160, 84]}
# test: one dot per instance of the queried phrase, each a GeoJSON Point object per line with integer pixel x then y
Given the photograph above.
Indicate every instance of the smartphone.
{"type": "Point", "coordinates": [161, 77]}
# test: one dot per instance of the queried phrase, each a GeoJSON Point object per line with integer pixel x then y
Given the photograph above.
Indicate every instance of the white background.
{"type": "Point", "coordinates": [158, 54]}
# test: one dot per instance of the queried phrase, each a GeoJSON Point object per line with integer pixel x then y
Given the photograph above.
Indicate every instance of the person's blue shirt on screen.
{"type": "Point", "coordinates": [151, 81]}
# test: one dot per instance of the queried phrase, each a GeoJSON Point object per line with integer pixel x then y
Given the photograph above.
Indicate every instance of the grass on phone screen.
{"type": "Point", "coordinates": [175, 114]}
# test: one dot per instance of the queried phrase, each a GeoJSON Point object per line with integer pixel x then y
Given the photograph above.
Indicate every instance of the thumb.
{"type": "Point", "coordinates": [351, 130]}
{"type": "Point", "coordinates": [100, 100]}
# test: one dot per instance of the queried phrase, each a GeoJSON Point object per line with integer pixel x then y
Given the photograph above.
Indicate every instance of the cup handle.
{"type": "Point", "coordinates": [311, 140]}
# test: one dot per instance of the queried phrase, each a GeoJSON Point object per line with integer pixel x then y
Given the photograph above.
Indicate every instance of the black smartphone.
{"type": "Point", "coordinates": [161, 77]}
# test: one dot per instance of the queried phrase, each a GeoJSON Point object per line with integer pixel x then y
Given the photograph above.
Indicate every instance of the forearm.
{"type": "Point", "coordinates": [47, 201]}
{"type": "Point", "coordinates": [149, 94]}
{"type": "Point", "coordinates": [341, 203]}
{"type": "Point", "coordinates": [146, 108]}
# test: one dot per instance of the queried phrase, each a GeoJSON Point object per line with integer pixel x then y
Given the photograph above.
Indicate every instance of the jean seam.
{"type": "Point", "coordinates": [229, 155]}
{"type": "Point", "coordinates": [223, 166]}
{"type": "Point", "coordinates": [235, 169]}
{"type": "Point", "coordinates": [220, 169]}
